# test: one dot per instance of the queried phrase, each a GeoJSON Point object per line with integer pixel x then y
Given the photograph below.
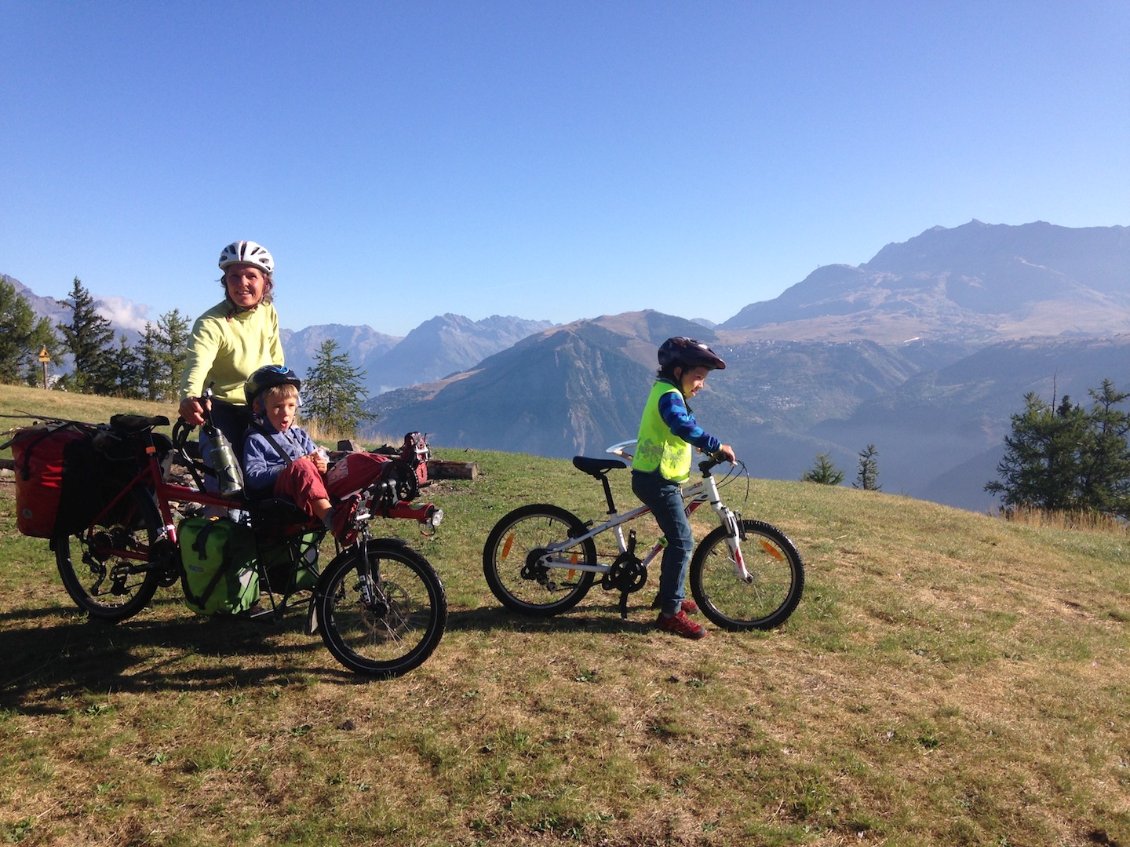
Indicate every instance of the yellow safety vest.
{"type": "Point", "coordinates": [656, 446]}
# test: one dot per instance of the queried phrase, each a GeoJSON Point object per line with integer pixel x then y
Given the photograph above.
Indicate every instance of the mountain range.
{"type": "Point", "coordinates": [925, 351]}
{"type": "Point", "coordinates": [437, 347]}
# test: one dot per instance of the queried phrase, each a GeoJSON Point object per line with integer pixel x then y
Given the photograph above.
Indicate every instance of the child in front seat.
{"type": "Point", "coordinates": [281, 458]}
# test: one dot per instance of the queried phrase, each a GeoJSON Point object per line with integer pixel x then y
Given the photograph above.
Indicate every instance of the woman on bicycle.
{"type": "Point", "coordinates": [667, 435]}
{"type": "Point", "coordinates": [230, 341]}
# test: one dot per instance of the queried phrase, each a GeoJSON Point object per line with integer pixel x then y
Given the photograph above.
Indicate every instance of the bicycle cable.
{"type": "Point", "coordinates": [736, 470]}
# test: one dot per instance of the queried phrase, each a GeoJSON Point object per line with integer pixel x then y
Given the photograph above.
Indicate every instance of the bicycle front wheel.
{"type": "Point", "coordinates": [767, 598]}
{"type": "Point", "coordinates": [381, 611]}
{"type": "Point", "coordinates": [510, 560]}
{"type": "Point", "coordinates": [110, 571]}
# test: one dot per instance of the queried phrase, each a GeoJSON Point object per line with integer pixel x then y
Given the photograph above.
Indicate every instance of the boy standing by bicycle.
{"type": "Point", "coordinates": [662, 462]}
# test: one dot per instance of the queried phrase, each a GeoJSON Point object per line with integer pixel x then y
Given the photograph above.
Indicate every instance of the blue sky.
{"type": "Point", "coordinates": [546, 160]}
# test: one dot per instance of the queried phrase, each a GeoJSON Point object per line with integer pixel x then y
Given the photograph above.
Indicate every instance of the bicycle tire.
{"type": "Point", "coordinates": [513, 576]}
{"type": "Point", "coordinates": [395, 630]}
{"type": "Point", "coordinates": [775, 568]}
{"type": "Point", "coordinates": [106, 586]}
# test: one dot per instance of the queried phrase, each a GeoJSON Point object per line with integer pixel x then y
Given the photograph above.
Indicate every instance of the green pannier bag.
{"type": "Point", "coordinates": [291, 564]}
{"type": "Point", "coordinates": [219, 573]}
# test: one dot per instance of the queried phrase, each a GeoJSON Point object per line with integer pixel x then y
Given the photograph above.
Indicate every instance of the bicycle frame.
{"type": "Point", "coordinates": [541, 559]}
{"type": "Point", "coordinates": [378, 605]}
{"type": "Point", "coordinates": [696, 495]}
{"type": "Point", "coordinates": [151, 480]}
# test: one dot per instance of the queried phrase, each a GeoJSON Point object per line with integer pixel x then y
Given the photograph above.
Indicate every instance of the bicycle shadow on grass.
{"type": "Point", "coordinates": [60, 655]}
{"type": "Point", "coordinates": [590, 617]}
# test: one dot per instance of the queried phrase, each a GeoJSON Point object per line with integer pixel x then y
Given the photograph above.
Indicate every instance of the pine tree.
{"type": "Point", "coordinates": [1105, 476]}
{"type": "Point", "coordinates": [151, 368]}
{"type": "Point", "coordinates": [126, 371]}
{"type": "Point", "coordinates": [89, 339]}
{"type": "Point", "coordinates": [823, 472]}
{"type": "Point", "coordinates": [1067, 458]}
{"type": "Point", "coordinates": [867, 476]}
{"type": "Point", "coordinates": [1040, 464]}
{"type": "Point", "coordinates": [332, 392]}
{"type": "Point", "coordinates": [173, 332]}
{"type": "Point", "coordinates": [22, 336]}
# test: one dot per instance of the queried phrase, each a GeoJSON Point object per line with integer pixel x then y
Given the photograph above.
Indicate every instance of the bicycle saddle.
{"type": "Point", "coordinates": [133, 424]}
{"type": "Point", "coordinates": [597, 467]}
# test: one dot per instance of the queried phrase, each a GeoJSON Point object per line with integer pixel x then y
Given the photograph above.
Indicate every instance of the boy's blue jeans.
{"type": "Point", "coordinates": [666, 503]}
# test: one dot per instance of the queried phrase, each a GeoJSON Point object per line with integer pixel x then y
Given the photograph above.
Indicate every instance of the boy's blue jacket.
{"type": "Point", "coordinates": [261, 461]}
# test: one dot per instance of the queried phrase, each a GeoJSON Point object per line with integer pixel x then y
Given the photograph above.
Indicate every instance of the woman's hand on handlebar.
{"type": "Point", "coordinates": [191, 411]}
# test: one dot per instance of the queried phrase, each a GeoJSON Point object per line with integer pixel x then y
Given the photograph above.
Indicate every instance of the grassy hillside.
{"type": "Point", "coordinates": [948, 679]}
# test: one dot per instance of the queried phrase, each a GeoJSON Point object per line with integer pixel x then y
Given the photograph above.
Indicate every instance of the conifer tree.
{"type": "Point", "coordinates": [89, 339]}
{"type": "Point", "coordinates": [1067, 458]}
{"type": "Point", "coordinates": [150, 364]}
{"type": "Point", "coordinates": [22, 336]}
{"type": "Point", "coordinates": [125, 371]}
{"type": "Point", "coordinates": [173, 333]}
{"type": "Point", "coordinates": [1105, 474]}
{"type": "Point", "coordinates": [332, 392]}
{"type": "Point", "coordinates": [867, 475]}
{"type": "Point", "coordinates": [823, 472]}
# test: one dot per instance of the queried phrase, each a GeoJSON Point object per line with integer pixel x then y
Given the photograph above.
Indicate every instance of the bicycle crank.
{"type": "Point", "coordinates": [627, 575]}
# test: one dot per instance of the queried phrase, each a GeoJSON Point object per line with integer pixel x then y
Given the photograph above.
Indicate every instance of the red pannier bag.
{"type": "Point", "coordinates": [37, 452]}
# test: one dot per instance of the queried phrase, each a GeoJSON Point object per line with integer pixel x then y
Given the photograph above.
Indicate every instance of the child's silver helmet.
{"type": "Point", "coordinates": [247, 253]}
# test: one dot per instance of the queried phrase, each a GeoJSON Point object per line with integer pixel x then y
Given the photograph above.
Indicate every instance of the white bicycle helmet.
{"type": "Point", "coordinates": [247, 253]}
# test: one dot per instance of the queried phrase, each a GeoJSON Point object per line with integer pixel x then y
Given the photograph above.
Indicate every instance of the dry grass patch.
{"type": "Point", "coordinates": [948, 679]}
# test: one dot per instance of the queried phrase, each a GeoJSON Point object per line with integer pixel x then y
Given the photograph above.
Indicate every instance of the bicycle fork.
{"type": "Point", "coordinates": [735, 532]}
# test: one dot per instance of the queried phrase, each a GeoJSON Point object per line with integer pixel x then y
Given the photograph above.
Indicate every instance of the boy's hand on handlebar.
{"type": "Point", "coordinates": [725, 453]}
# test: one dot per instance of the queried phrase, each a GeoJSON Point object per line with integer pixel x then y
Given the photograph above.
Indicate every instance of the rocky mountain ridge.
{"type": "Point", "coordinates": [923, 356]}
{"type": "Point", "coordinates": [976, 284]}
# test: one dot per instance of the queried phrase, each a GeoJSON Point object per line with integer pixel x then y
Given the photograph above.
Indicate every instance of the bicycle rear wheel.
{"type": "Point", "coordinates": [775, 585]}
{"type": "Point", "coordinates": [110, 571]}
{"type": "Point", "coordinates": [383, 613]}
{"type": "Point", "coordinates": [510, 560]}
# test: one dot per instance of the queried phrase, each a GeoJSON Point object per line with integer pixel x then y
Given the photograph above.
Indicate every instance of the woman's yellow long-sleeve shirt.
{"type": "Point", "coordinates": [227, 346]}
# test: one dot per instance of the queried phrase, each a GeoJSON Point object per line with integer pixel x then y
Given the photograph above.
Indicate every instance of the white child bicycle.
{"type": "Point", "coordinates": [542, 560]}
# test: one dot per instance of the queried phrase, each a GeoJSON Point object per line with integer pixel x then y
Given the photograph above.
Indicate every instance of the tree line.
{"type": "Point", "coordinates": [1066, 457]}
{"type": "Point", "coordinates": [105, 363]}
{"type": "Point", "coordinates": [1058, 458]}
